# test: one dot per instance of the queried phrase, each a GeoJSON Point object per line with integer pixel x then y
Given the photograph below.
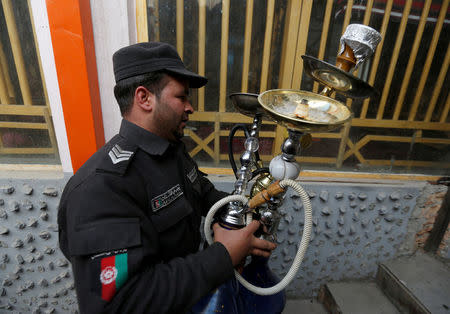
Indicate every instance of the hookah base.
{"type": "Point", "coordinates": [259, 274]}
{"type": "Point", "coordinates": [225, 299]}
{"type": "Point", "coordinates": [233, 298]}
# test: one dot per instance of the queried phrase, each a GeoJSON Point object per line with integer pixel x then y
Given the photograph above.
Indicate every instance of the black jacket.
{"type": "Point", "coordinates": [129, 223]}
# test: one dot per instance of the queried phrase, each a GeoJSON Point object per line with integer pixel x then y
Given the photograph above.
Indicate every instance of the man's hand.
{"type": "Point", "coordinates": [240, 243]}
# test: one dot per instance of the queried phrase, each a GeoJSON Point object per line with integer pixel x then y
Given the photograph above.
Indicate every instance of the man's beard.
{"type": "Point", "coordinates": [179, 133]}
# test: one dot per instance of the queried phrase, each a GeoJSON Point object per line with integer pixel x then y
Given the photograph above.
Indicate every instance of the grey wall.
{"type": "Point", "coordinates": [356, 225]}
{"type": "Point", "coordinates": [34, 275]}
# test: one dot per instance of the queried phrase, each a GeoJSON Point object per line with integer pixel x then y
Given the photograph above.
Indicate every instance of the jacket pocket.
{"type": "Point", "coordinates": [105, 235]}
{"type": "Point", "coordinates": [171, 214]}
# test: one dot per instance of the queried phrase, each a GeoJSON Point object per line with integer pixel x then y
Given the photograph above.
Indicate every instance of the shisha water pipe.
{"type": "Point", "coordinates": [240, 209]}
{"type": "Point", "coordinates": [240, 212]}
{"type": "Point", "coordinates": [318, 113]}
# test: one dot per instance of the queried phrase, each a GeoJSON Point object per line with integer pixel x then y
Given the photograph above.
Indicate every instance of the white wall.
{"type": "Point", "coordinates": [114, 25]}
{"type": "Point", "coordinates": [40, 19]}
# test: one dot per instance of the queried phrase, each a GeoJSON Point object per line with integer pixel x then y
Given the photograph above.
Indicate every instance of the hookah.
{"type": "Point", "coordinates": [301, 112]}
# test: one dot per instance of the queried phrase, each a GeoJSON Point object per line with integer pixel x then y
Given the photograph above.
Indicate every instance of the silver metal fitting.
{"type": "Point", "coordinates": [235, 215]}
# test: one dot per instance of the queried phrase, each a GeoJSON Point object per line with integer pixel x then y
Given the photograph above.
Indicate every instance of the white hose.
{"type": "Point", "coordinates": [300, 252]}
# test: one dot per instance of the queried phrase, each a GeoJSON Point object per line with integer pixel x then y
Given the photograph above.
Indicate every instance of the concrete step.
{"type": "Point", "coordinates": [421, 283]}
{"type": "Point", "coordinates": [311, 306]}
{"type": "Point", "coordinates": [355, 298]}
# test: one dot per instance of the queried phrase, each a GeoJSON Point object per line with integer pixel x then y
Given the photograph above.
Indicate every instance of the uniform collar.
{"type": "Point", "coordinates": [147, 141]}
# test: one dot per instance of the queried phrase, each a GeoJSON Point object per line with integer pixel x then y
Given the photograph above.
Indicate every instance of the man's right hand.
{"type": "Point", "coordinates": [241, 242]}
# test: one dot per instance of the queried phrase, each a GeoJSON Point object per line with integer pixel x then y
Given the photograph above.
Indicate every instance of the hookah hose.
{"type": "Point", "coordinates": [303, 243]}
{"type": "Point", "coordinates": [233, 131]}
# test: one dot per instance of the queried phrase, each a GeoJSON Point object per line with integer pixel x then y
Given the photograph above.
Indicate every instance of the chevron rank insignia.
{"type": "Point", "coordinates": [117, 154]}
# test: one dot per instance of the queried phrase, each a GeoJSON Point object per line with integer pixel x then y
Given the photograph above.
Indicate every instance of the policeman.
{"type": "Point", "coordinates": [130, 217]}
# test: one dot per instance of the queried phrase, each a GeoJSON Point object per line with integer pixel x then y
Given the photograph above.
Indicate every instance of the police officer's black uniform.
{"type": "Point", "coordinates": [139, 199]}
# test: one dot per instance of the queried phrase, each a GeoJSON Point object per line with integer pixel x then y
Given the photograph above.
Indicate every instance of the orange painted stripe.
{"type": "Point", "coordinates": [73, 47]}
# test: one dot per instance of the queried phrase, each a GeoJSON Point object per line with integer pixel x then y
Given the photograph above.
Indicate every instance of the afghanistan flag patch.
{"type": "Point", "coordinates": [113, 274]}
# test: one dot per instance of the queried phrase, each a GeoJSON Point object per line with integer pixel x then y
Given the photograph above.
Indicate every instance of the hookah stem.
{"type": "Point", "coordinates": [233, 130]}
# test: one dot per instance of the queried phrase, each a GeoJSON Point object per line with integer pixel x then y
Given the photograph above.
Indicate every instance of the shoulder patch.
{"type": "Point", "coordinates": [117, 154]}
{"type": "Point", "coordinates": [112, 272]}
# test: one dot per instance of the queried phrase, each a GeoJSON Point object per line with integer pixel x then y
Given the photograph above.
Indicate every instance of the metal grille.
{"type": "Point", "coordinates": [25, 123]}
{"type": "Point", "coordinates": [242, 50]}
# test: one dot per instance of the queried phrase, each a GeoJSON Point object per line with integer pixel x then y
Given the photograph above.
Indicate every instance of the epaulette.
{"type": "Point", "coordinates": [118, 155]}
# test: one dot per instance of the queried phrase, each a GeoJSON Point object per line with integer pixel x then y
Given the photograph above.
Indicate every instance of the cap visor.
{"type": "Point", "coordinates": [195, 80]}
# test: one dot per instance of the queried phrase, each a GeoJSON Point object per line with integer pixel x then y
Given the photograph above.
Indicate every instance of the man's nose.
{"type": "Point", "coordinates": [188, 108]}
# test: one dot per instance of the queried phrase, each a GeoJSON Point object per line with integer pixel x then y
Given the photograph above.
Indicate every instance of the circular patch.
{"type": "Point", "coordinates": [108, 275]}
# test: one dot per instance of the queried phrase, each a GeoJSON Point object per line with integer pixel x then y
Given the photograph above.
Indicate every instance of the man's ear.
{"type": "Point", "coordinates": [144, 98]}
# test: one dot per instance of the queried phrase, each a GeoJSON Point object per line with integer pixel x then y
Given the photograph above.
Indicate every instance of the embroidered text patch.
{"type": "Point", "coordinates": [192, 175]}
{"type": "Point", "coordinates": [166, 198]}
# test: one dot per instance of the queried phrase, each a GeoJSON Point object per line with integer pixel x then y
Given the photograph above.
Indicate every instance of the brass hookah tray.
{"type": "Point", "coordinates": [304, 111]}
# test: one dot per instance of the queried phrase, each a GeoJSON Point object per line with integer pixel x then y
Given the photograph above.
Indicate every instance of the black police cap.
{"type": "Point", "coordinates": [148, 57]}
